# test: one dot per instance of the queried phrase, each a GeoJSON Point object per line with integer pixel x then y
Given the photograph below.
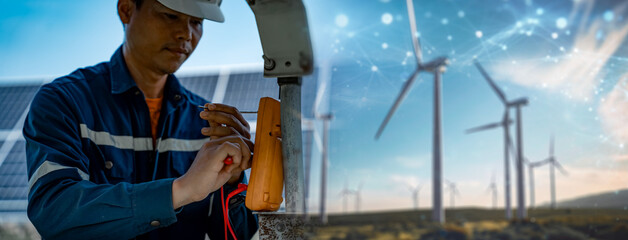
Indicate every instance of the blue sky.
{"type": "Point", "coordinates": [567, 57]}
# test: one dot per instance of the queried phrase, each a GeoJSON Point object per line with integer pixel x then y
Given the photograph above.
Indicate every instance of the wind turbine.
{"type": "Point", "coordinates": [492, 188]}
{"type": "Point", "coordinates": [505, 124]}
{"type": "Point", "coordinates": [554, 163]}
{"type": "Point", "coordinates": [345, 194]}
{"type": "Point", "coordinates": [415, 194]}
{"type": "Point", "coordinates": [436, 67]}
{"type": "Point", "coordinates": [358, 198]}
{"type": "Point", "coordinates": [517, 104]}
{"type": "Point", "coordinates": [324, 164]}
{"type": "Point", "coordinates": [531, 166]}
{"type": "Point", "coordinates": [453, 192]}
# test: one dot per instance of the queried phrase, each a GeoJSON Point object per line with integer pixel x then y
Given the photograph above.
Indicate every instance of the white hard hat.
{"type": "Point", "coordinates": [207, 9]}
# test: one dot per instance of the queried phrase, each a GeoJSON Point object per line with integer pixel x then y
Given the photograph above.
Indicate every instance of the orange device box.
{"type": "Point", "coordinates": [266, 183]}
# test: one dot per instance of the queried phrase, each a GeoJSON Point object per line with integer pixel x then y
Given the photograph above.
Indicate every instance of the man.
{"type": "Point", "coordinates": [121, 150]}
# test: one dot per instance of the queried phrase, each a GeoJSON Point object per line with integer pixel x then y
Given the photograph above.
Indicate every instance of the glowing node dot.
{"type": "Point", "coordinates": [384, 45]}
{"type": "Point", "coordinates": [561, 23]}
{"type": "Point", "coordinates": [478, 34]}
{"type": "Point", "coordinates": [444, 21]}
{"type": "Point", "coordinates": [554, 35]}
{"type": "Point", "coordinates": [385, 1]}
{"type": "Point", "coordinates": [408, 54]}
{"type": "Point", "coordinates": [504, 47]}
{"type": "Point", "coordinates": [562, 49]}
{"type": "Point", "coordinates": [609, 16]}
{"type": "Point", "coordinates": [449, 38]}
{"type": "Point", "coordinates": [539, 11]}
{"type": "Point", "coordinates": [387, 18]}
{"type": "Point", "coordinates": [342, 20]}
{"type": "Point", "coordinates": [374, 68]}
{"type": "Point", "coordinates": [460, 14]}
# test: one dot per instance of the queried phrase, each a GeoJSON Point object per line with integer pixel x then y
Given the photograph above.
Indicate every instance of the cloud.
{"type": "Point", "coordinates": [575, 73]}
{"type": "Point", "coordinates": [410, 181]}
{"type": "Point", "coordinates": [613, 111]}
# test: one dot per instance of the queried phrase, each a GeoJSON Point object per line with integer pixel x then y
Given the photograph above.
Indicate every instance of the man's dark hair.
{"type": "Point", "coordinates": [138, 3]}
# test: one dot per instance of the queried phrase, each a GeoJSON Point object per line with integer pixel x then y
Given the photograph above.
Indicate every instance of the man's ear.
{"type": "Point", "coordinates": [126, 9]}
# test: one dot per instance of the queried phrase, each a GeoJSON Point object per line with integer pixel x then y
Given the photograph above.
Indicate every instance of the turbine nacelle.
{"type": "Point", "coordinates": [438, 65]}
{"type": "Point", "coordinates": [518, 102]}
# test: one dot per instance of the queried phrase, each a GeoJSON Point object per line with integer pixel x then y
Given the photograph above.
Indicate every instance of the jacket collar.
{"type": "Point", "coordinates": [121, 80]}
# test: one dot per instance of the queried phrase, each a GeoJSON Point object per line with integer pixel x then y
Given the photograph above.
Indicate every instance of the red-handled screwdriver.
{"type": "Point", "coordinates": [228, 160]}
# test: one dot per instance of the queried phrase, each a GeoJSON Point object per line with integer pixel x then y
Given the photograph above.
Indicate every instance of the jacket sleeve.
{"type": "Point", "coordinates": [243, 222]}
{"type": "Point", "coordinates": [62, 202]}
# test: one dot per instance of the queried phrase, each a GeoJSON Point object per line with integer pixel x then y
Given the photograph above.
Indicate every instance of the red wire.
{"type": "Point", "coordinates": [225, 218]}
{"type": "Point", "coordinates": [225, 208]}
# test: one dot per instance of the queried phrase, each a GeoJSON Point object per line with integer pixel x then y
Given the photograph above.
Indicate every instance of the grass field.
{"type": "Point", "coordinates": [477, 224]}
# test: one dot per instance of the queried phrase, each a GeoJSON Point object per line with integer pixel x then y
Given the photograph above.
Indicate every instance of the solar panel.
{"type": "Point", "coordinates": [245, 90]}
{"type": "Point", "coordinates": [202, 85]}
{"type": "Point", "coordinates": [13, 102]}
{"type": "Point", "coordinates": [13, 178]}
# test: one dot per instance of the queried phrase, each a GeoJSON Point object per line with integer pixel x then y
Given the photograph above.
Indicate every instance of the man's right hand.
{"type": "Point", "coordinates": [208, 172]}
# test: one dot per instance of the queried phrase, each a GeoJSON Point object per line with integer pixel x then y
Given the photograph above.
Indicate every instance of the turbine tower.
{"type": "Point", "coordinates": [452, 194]}
{"type": "Point", "coordinates": [437, 67]}
{"type": "Point", "coordinates": [505, 124]}
{"type": "Point", "coordinates": [492, 188]}
{"type": "Point", "coordinates": [415, 194]}
{"type": "Point", "coordinates": [358, 199]}
{"type": "Point", "coordinates": [554, 163]}
{"type": "Point", "coordinates": [517, 104]}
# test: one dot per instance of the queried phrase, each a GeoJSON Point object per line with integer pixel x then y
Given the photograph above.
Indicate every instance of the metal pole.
{"type": "Point", "coordinates": [438, 215]}
{"type": "Point", "coordinates": [507, 166]}
{"type": "Point", "coordinates": [521, 201]}
{"type": "Point", "coordinates": [290, 94]}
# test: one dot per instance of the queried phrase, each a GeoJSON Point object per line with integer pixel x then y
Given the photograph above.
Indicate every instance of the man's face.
{"type": "Point", "coordinates": [161, 39]}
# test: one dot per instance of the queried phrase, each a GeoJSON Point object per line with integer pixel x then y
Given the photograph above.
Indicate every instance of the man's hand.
{"type": "Point", "coordinates": [208, 171]}
{"type": "Point", "coordinates": [230, 136]}
{"type": "Point", "coordinates": [224, 120]}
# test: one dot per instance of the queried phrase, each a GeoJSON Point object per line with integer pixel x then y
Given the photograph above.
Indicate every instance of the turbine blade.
{"type": "Point", "coordinates": [496, 89]}
{"type": "Point", "coordinates": [414, 32]}
{"type": "Point", "coordinates": [483, 127]}
{"type": "Point", "coordinates": [540, 163]}
{"type": "Point", "coordinates": [402, 95]}
{"type": "Point", "coordinates": [560, 167]}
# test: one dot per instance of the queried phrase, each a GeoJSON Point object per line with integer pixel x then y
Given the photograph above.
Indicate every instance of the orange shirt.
{"type": "Point", "coordinates": [154, 107]}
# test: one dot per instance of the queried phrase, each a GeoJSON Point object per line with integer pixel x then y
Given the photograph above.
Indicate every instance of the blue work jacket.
{"type": "Point", "coordinates": [94, 172]}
